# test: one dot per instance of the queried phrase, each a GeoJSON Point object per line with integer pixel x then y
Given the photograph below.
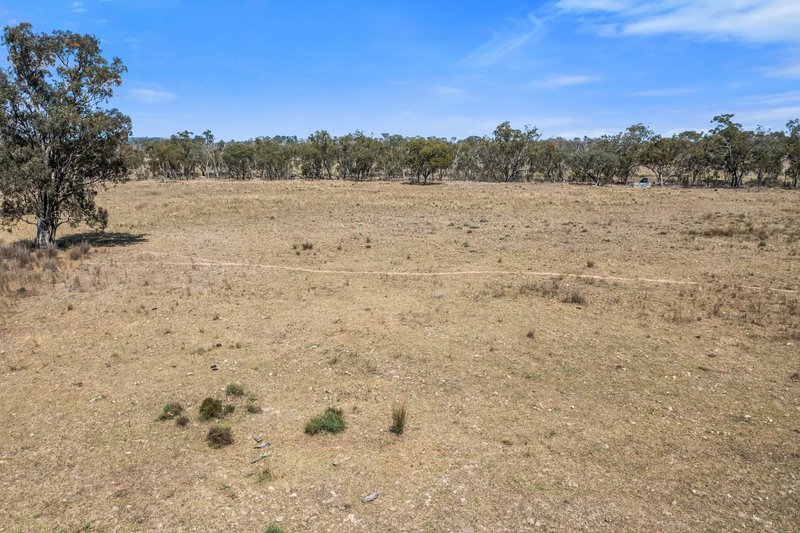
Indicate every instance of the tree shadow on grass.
{"type": "Point", "coordinates": [103, 239]}
{"type": "Point", "coordinates": [422, 184]}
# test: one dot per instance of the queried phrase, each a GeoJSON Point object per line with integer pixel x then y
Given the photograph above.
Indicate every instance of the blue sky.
{"type": "Point", "coordinates": [447, 68]}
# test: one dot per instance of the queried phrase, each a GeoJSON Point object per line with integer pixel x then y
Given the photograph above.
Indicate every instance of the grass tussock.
{"type": "Point", "coordinates": [234, 389]}
{"type": "Point", "coordinates": [219, 436]}
{"type": "Point", "coordinates": [274, 528]}
{"type": "Point", "coordinates": [331, 421]}
{"type": "Point", "coordinates": [170, 411]}
{"type": "Point", "coordinates": [399, 415]}
{"type": "Point", "coordinates": [210, 408]}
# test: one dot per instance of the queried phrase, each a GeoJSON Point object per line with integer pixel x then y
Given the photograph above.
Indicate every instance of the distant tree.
{"type": "Point", "coordinates": [272, 158]}
{"type": "Point", "coordinates": [504, 157]}
{"type": "Point", "coordinates": [356, 156]}
{"type": "Point", "coordinates": [57, 142]}
{"type": "Point", "coordinates": [549, 159]}
{"type": "Point", "coordinates": [660, 155]}
{"type": "Point", "coordinates": [592, 160]}
{"type": "Point", "coordinates": [239, 157]}
{"type": "Point", "coordinates": [425, 157]}
{"type": "Point", "coordinates": [318, 156]}
{"type": "Point", "coordinates": [628, 147]}
{"type": "Point", "coordinates": [730, 149]}
{"type": "Point", "coordinates": [769, 149]}
{"type": "Point", "coordinates": [691, 158]}
{"type": "Point", "coordinates": [793, 151]}
{"type": "Point", "coordinates": [392, 155]}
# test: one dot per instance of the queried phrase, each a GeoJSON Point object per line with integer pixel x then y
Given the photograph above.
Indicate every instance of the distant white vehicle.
{"type": "Point", "coordinates": [643, 183]}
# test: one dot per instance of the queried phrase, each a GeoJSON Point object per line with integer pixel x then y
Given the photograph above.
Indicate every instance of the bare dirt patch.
{"type": "Point", "coordinates": [569, 358]}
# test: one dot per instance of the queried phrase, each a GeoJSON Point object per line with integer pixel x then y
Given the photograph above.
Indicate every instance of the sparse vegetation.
{"type": "Point", "coordinates": [234, 389]}
{"type": "Point", "coordinates": [331, 421]}
{"type": "Point", "coordinates": [274, 528]}
{"type": "Point", "coordinates": [575, 297]}
{"type": "Point", "coordinates": [210, 408]}
{"type": "Point", "coordinates": [399, 414]}
{"type": "Point", "coordinates": [170, 411]}
{"type": "Point", "coordinates": [253, 408]}
{"type": "Point", "coordinates": [219, 436]}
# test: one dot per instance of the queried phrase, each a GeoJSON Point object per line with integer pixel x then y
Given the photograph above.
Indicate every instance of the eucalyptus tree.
{"type": "Point", "coordinates": [660, 156]}
{"type": "Point", "coordinates": [318, 156]}
{"type": "Point", "coordinates": [58, 141]}
{"type": "Point", "coordinates": [592, 160]}
{"type": "Point", "coordinates": [549, 158]}
{"type": "Point", "coordinates": [426, 157]}
{"type": "Point", "coordinates": [239, 157]}
{"type": "Point", "coordinates": [730, 149]}
{"type": "Point", "coordinates": [793, 151]}
{"type": "Point", "coordinates": [506, 154]}
{"type": "Point", "coordinates": [769, 150]}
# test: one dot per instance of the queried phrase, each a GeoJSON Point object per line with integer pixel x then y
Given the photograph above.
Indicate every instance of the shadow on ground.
{"type": "Point", "coordinates": [103, 239]}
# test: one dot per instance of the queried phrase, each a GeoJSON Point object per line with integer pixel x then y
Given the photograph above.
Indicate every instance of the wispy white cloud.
{"type": "Point", "coordinates": [666, 92]}
{"type": "Point", "coordinates": [448, 91]}
{"type": "Point", "coordinates": [504, 43]}
{"type": "Point", "coordinates": [748, 20]}
{"type": "Point", "coordinates": [78, 7]}
{"type": "Point", "coordinates": [787, 70]}
{"type": "Point", "coordinates": [556, 81]}
{"type": "Point", "coordinates": [151, 96]}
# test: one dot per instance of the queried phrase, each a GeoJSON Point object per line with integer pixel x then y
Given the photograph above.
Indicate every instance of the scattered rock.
{"type": "Point", "coordinates": [370, 497]}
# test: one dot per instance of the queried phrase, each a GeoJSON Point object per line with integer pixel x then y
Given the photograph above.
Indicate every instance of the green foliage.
{"type": "Point", "coordinates": [331, 421]}
{"type": "Point", "coordinates": [274, 528]}
{"type": "Point", "coordinates": [210, 408]}
{"type": "Point", "coordinates": [234, 389]}
{"type": "Point", "coordinates": [219, 436]}
{"type": "Point", "coordinates": [426, 157]}
{"type": "Point", "coordinates": [170, 411]}
{"type": "Point", "coordinates": [58, 145]}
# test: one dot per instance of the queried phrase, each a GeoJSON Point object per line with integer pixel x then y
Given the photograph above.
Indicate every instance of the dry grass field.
{"type": "Point", "coordinates": [571, 358]}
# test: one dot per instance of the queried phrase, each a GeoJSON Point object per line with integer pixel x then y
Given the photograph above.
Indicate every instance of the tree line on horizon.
{"type": "Point", "coordinates": [727, 154]}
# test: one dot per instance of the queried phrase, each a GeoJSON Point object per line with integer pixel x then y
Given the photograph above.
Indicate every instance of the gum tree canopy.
{"type": "Point", "coordinates": [58, 144]}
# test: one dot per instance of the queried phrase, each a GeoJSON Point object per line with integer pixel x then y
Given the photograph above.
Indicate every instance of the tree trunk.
{"type": "Point", "coordinates": [45, 232]}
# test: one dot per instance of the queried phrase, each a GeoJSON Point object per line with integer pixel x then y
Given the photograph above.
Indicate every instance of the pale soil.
{"type": "Point", "coordinates": [664, 403]}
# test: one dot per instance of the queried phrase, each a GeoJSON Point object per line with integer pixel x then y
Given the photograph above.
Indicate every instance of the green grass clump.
{"type": "Point", "coordinates": [210, 408]}
{"type": "Point", "coordinates": [228, 409]}
{"type": "Point", "coordinates": [170, 411]}
{"type": "Point", "coordinates": [253, 408]}
{"type": "Point", "coordinates": [399, 414]}
{"type": "Point", "coordinates": [234, 389]}
{"type": "Point", "coordinates": [273, 528]}
{"type": "Point", "coordinates": [331, 421]}
{"type": "Point", "coordinates": [219, 436]}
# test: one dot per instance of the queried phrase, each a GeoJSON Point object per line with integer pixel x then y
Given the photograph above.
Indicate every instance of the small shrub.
{"type": "Point", "coordinates": [253, 408]}
{"type": "Point", "coordinates": [589, 264]}
{"type": "Point", "coordinates": [307, 246]}
{"type": "Point", "coordinates": [399, 414]}
{"type": "Point", "coordinates": [170, 411]}
{"type": "Point", "coordinates": [531, 334]}
{"type": "Point", "coordinates": [274, 528]}
{"type": "Point", "coordinates": [265, 475]}
{"type": "Point", "coordinates": [210, 408]}
{"type": "Point", "coordinates": [331, 421]}
{"type": "Point", "coordinates": [234, 389]}
{"type": "Point", "coordinates": [77, 251]}
{"type": "Point", "coordinates": [182, 421]}
{"type": "Point", "coordinates": [228, 409]}
{"type": "Point", "coordinates": [575, 297]}
{"type": "Point", "coordinates": [219, 436]}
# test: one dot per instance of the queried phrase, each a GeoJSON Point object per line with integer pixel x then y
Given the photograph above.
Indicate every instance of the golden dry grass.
{"type": "Point", "coordinates": [561, 381]}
